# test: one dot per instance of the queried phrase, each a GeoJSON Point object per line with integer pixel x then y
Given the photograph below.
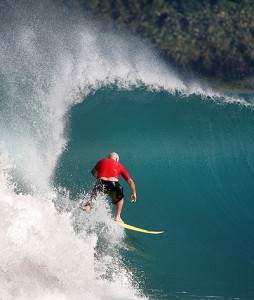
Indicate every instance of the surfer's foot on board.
{"type": "Point", "coordinates": [119, 220]}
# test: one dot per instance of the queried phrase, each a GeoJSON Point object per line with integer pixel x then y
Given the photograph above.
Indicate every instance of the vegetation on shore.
{"type": "Point", "coordinates": [211, 37]}
{"type": "Point", "coordinates": [243, 85]}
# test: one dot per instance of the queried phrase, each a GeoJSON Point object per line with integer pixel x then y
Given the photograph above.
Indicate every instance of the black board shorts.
{"type": "Point", "coordinates": [111, 188]}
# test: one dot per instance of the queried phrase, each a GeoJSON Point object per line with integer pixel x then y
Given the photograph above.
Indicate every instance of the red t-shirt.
{"type": "Point", "coordinates": [108, 167]}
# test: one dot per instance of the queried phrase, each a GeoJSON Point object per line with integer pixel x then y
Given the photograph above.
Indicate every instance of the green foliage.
{"type": "Point", "coordinates": [214, 37]}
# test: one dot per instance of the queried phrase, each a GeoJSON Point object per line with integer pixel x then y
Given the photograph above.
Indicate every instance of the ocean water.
{"type": "Point", "coordinates": [71, 91]}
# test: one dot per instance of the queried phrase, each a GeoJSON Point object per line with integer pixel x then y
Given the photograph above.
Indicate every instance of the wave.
{"type": "Point", "coordinates": [51, 60]}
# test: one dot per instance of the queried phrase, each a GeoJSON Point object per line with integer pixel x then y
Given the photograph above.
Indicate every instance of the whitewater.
{"type": "Point", "coordinates": [58, 68]}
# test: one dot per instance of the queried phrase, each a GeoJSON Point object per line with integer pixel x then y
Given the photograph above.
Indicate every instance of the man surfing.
{"type": "Point", "coordinates": [107, 172]}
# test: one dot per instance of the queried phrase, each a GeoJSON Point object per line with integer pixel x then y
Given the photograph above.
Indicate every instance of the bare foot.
{"type": "Point", "coordinates": [119, 220]}
{"type": "Point", "coordinates": [86, 207]}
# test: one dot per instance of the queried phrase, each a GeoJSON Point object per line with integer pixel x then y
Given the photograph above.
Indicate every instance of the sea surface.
{"type": "Point", "coordinates": [71, 92]}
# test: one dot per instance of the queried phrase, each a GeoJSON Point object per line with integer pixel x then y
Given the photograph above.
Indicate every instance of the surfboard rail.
{"type": "Point", "coordinates": [134, 228]}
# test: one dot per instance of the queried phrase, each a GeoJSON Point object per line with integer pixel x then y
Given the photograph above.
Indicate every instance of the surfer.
{"type": "Point", "coordinates": [107, 172]}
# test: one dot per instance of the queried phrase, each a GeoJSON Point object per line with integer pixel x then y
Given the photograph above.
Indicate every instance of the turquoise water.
{"type": "Point", "coordinates": [192, 162]}
{"type": "Point", "coordinates": [70, 93]}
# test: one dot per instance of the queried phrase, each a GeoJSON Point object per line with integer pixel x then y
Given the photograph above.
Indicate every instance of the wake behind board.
{"type": "Point", "coordinates": [130, 227]}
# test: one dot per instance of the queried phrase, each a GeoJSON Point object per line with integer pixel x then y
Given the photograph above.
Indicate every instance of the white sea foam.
{"type": "Point", "coordinates": [48, 254]}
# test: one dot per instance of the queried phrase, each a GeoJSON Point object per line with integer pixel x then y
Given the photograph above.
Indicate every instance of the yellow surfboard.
{"type": "Point", "coordinates": [130, 227]}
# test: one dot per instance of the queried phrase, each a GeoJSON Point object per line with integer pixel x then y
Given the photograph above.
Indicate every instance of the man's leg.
{"type": "Point", "coordinates": [98, 187]}
{"type": "Point", "coordinates": [119, 206]}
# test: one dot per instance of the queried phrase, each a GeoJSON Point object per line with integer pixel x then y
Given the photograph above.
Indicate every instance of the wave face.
{"type": "Point", "coordinates": [70, 93]}
{"type": "Point", "coordinates": [192, 161]}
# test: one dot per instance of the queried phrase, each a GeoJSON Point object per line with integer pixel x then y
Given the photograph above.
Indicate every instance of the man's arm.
{"type": "Point", "coordinates": [94, 173]}
{"type": "Point", "coordinates": [133, 190]}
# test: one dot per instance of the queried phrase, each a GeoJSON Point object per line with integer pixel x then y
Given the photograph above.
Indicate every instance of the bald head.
{"type": "Point", "coordinates": [114, 155]}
